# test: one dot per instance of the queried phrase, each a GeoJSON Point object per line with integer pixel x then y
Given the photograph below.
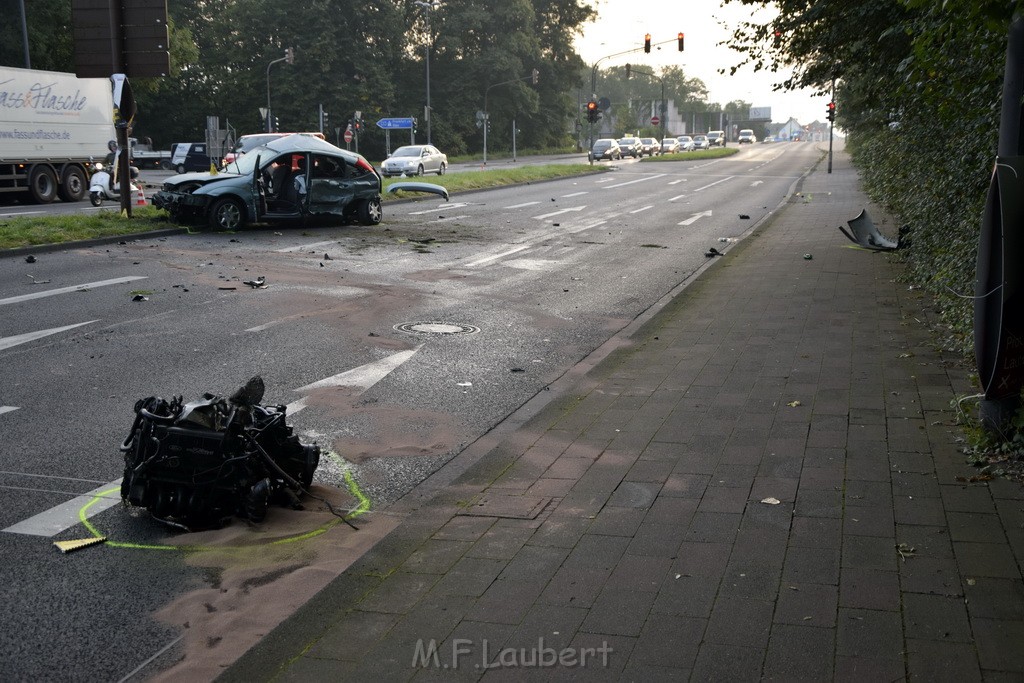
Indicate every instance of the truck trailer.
{"type": "Point", "coordinates": [53, 126]}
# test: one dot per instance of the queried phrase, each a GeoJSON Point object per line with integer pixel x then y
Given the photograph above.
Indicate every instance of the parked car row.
{"type": "Point", "coordinates": [612, 149]}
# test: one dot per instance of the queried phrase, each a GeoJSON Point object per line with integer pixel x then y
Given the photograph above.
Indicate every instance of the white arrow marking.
{"type": "Point", "coordinates": [695, 217]}
{"type": "Point", "coordinates": [756, 183]}
{"type": "Point", "coordinates": [558, 213]}
{"type": "Point", "coordinates": [638, 180]}
{"type": "Point", "coordinates": [75, 288]}
{"type": "Point", "coordinates": [7, 409]}
{"type": "Point", "coordinates": [519, 206]}
{"type": "Point", "coordinates": [8, 342]}
{"type": "Point", "coordinates": [361, 378]}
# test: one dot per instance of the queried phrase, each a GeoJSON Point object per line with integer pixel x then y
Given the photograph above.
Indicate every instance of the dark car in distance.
{"type": "Point", "coordinates": [630, 147]}
{"type": "Point", "coordinates": [605, 148]}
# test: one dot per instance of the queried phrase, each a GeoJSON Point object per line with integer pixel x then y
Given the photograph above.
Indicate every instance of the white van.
{"type": "Point", "coordinates": [746, 135]}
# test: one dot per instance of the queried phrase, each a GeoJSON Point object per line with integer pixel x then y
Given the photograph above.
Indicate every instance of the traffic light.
{"type": "Point", "coordinates": [647, 42]}
{"type": "Point", "coordinates": [289, 55]}
{"type": "Point", "coordinates": [277, 124]}
{"type": "Point", "coordinates": [593, 113]}
{"type": "Point", "coordinates": [627, 71]}
{"type": "Point", "coordinates": [534, 75]}
{"type": "Point", "coordinates": [680, 37]}
{"type": "Point", "coordinates": [831, 111]}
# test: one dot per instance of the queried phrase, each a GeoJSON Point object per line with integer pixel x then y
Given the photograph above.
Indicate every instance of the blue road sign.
{"type": "Point", "coordinates": [395, 123]}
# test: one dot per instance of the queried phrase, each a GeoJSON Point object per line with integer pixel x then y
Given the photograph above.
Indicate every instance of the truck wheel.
{"type": "Point", "coordinates": [370, 211]}
{"type": "Point", "coordinates": [166, 165]}
{"type": "Point", "coordinates": [42, 184]}
{"type": "Point", "coordinates": [227, 214]}
{"type": "Point", "coordinates": [95, 198]}
{"type": "Point", "coordinates": [72, 184]}
{"type": "Point", "coordinates": [180, 169]}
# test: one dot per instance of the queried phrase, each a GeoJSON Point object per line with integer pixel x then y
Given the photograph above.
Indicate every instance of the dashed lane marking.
{"type": "Point", "coordinates": [74, 288]}
{"type": "Point", "coordinates": [8, 342]}
{"type": "Point", "coordinates": [519, 206]}
{"type": "Point", "coordinates": [681, 180]}
{"type": "Point", "coordinates": [714, 183]}
{"type": "Point", "coordinates": [641, 209]}
{"type": "Point", "coordinates": [303, 247]}
{"type": "Point", "coordinates": [573, 194]}
{"type": "Point", "coordinates": [638, 180]}
{"type": "Point", "coordinates": [440, 207]}
{"type": "Point", "coordinates": [7, 409]}
{"type": "Point", "coordinates": [55, 520]}
{"type": "Point", "coordinates": [559, 213]}
{"type": "Point", "coordinates": [361, 378]}
{"type": "Point", "coordinates": [678, 196]}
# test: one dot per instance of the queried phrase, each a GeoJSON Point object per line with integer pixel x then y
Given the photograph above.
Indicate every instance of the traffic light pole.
{"type": "Point", "coordinates": [593, 77]}
{"type": "Point", "coordinates": [532, 76]}
{"type": "Point", "coordinates": [663, 104]}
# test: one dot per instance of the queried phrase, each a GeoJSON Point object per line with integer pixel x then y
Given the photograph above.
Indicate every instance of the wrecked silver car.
{"type": "Point", "coordinates": [287, 180]}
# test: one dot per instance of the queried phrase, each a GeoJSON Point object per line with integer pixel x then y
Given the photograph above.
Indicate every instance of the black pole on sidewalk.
{"type": "Point", "coordinates": [999, 283]}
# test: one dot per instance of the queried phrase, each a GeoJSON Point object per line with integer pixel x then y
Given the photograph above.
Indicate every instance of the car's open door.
{"type": "Point", "coordinates": [259, 191]}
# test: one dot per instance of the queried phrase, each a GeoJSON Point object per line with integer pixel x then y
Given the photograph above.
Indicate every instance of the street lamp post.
{"type": "Point", "coordinates": [289, 57]}
{"type": "Point", "coordinates": [430, 6]}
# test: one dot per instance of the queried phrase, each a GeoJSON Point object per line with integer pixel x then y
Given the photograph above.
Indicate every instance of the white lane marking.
{"type": "Point", "coordinates": [678, 196]}
{"type": "Point", "coordinates": [495, 257]}
{"type": "Point", "coordinates": [604, 180]}
{"type": "Point", "coordinates": [756, 183]}
{"type": "Point", "coordinates": [7, 409]}
{"type": "Point", "coordinates": [450, 218]}
{"type": "Point", "coordinates": [361, 378]}
{"type": "Point", "coordinates": [454, 205]}
{"type": "Point", "coordinates": [20, 213]}
{"type": "Point", "coordinates": [55, 520]}
{"type": "Point", "coordinates": [714, 183]}
{"type": "Point", "coordinates": [642, 209]}
{"type": "Point", "coordinates": [265, 326]}
{"type": "Point", "coordinates": [694, 218]}
{"type": "Point", "coordinates": [519, 206]}
{"type": "Point", "coordinates": [676, 182]}
{"type": "Point", "coordinates": [638, 180]}
{"type": "Point", "coordinates": [75, 288]}
{"type": "Point", "coordinates": [573, 194]}
{"type": "Point", "coordinates": [559, 213]}
{"type": "Point", "coordinates": [304, 247]}
{"type": "Point", "coordinates": [8, 342]}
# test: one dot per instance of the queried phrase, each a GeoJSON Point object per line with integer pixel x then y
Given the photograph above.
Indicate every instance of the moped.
{"type": "Point", "coordinates": [102, 185]}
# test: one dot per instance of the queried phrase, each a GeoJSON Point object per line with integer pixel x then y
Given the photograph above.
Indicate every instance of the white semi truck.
{"type": "Point", "coordinates": [53, 126]}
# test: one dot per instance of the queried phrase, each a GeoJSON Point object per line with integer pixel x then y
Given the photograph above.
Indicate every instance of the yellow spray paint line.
{"type": "Point", "coordinates": [353, 487]}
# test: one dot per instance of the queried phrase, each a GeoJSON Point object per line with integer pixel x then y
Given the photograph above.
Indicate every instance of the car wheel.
{"type": "Point", "coordinates": [180, 169]}
{"type": "Point", "coordinates": [370, 211]}
{"type": "Point", "coordinates": [95, 198]}
{"type": "Point", "coordinates": [441, 170]}
{"type": "Point", "coordinates": [72, 184]}
{"type": "Point", "coordinates": [42, 184]}
{"type": "Point", "coordinates": [227, 214]}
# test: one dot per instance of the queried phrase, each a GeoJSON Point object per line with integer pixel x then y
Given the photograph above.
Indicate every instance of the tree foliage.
{"type": "Point", "coordinates": [917, 85]}
{"type": "Point", "coordinates": [368, 57]}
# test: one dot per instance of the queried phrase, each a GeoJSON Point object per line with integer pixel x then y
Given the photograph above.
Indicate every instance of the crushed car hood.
{"type": "Point", "coordinates": [202, 177]}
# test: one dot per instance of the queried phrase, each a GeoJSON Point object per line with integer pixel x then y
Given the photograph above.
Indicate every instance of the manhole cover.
{"type": "Point", "coordinates": [436, 328]}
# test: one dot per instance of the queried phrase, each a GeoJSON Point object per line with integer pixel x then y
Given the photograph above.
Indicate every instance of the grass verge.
{"type": "Point", "coordinates": [27, 231]}
{"type": "Point", "coordinates": [716, 153]}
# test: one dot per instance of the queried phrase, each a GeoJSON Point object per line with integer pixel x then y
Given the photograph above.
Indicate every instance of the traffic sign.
{"type": "Point", "coordinates": [655, 120]}
{"type": "Point", "coordinates": [348, 136]}
{"type": "Point", "coordinates": [389, 124]}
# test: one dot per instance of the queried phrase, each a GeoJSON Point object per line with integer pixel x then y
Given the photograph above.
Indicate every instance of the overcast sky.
{"type": "Point", "coordinates": [621, 25]}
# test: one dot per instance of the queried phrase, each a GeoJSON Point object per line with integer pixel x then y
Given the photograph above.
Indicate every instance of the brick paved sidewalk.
{"type": "Point", "coordinates": [628, 515]}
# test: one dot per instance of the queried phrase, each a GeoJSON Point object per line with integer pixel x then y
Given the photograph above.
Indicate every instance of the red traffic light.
{"type": "Point", "coordinates": [680, 37]}
{"type": "Point", "coordinates": [591, 105]}
{"type": "Point", "coordinates": [647, 42]}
